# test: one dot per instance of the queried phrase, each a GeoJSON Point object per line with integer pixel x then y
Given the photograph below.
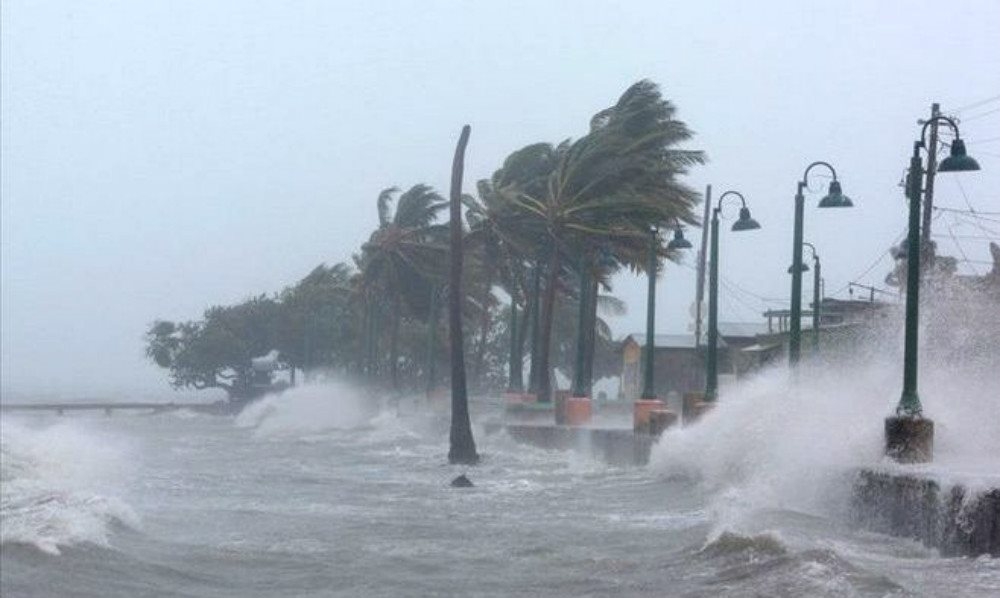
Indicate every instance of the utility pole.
{"type": "Point", "coordinates": [699, 295]}
{"type": "Point", "coordinates": [927, 254]}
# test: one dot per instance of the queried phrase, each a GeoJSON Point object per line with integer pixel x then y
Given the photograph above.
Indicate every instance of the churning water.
{"type": "Point", "coordinates": [314, 493]}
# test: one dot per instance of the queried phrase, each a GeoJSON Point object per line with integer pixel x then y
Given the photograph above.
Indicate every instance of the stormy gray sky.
{"type": "Point", "coordinates": [162, 156]}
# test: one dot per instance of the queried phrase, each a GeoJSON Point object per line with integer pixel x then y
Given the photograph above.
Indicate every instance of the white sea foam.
{"type": "Point", "coordinates": [308, 409]}
{"type": "Point", "coordinates": [56, 486]}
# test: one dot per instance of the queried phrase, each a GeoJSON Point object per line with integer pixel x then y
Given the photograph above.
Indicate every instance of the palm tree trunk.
{"type": "Point", "coordinates": [580, 387]}
{"type": "Point", "coordinates": [536, 306]}
{"type": "Point", "coordinates": [516, 381]}
{"type": "Point", "coordinates": [591, 330]}
{"type": "Point", "coordinates": [432, 325]}
{"type": "Point", "coordinates": [545, 327]}
{"type": "Point", "coordinates": [394, 343]}
{"type": "Point", "coordinates": [484, 326]}
{"type": "Point", "coordinates": [462, 446]}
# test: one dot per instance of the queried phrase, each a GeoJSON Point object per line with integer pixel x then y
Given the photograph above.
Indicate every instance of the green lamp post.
{"type": "Point", "coordinates": [910, 436]}
{"type": "Point", "coordinates": [835, 198]}
{"type": "Point", "coordinates": [678, 242]}
{"type": "Point", "coordinates": [743, 223]}
{"type": "Point", "coordinates": [817, 309]}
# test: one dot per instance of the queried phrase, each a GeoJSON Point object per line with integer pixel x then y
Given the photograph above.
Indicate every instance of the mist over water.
{"type": "Point", "coordinates": [327, 490]}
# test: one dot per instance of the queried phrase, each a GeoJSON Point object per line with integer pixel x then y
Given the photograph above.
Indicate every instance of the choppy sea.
{"type": "Point", "coordinates": [316, 494]}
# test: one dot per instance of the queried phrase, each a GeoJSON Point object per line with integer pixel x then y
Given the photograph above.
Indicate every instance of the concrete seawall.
{"type": "Point", "coordinates": [950, 517]}
{"type": "Point", "coordinates": [617, 446]}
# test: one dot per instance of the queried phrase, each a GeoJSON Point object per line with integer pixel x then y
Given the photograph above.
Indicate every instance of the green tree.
{"type": "Point", "coordinates": [218, 351]}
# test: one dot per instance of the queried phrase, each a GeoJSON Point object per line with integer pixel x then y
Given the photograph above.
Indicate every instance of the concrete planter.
{"type": "Point", "coordinates": [578, 411]}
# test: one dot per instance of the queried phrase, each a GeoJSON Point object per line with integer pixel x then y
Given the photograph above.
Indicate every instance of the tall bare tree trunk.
{"type": "Point", "coordinates": [463, 446]}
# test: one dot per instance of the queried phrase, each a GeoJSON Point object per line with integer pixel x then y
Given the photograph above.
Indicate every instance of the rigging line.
{"type": "Point", "coordinates": [975, 104]}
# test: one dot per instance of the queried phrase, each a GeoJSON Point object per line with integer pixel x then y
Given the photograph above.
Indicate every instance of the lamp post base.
{"type": "Point", "coordinates": [641, 411]}
{"type": "Point", "coordinates": [909, 439]}
{"type": "Point", "coordinates": [660, 420]}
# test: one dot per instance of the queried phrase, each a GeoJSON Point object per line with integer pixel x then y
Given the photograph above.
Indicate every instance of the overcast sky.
{"type": "Point", "coordinates": [162, 156]}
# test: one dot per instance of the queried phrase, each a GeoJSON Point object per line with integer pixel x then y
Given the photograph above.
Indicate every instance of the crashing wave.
{"type": "Point", "coordinates": [52, 484]}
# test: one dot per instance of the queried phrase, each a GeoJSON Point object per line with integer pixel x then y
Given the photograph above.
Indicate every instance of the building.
{"type": "Point", "coordinates": [679, 362]}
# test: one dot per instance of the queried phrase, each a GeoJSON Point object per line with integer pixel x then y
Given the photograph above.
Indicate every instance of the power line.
{"type": "Point", "coordinates": [987, 140]}
{"type": "Point", "coordinates": [980, 115]}
{"type": "Point", "coordinates": [976, 104]}
{"type": "Point", "coordinates": [953, 236]}
{"type": "Point", "coordinates": [958, 211]}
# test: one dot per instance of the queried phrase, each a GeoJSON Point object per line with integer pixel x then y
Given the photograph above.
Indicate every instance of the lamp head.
{"type": "Point", "coordinates": [835, 197]}
{"type": "Point", "coordinates": [679, 242]}
{"type": "Point", "coordinates": [958, 161]}
{"type": "Point", "coordinates": [802, 268]}
{"type": "Point", "coordinates": [745, 222]}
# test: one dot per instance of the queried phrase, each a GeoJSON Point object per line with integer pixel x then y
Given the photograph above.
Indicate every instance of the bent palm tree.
{"type": "Point", "coordinates": [607, 189]}
{"type": "Point", "coordinates": [401, 257]}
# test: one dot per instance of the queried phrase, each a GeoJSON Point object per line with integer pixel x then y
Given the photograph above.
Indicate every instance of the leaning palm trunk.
{"type": "Point", "coordinates": [463, 446]}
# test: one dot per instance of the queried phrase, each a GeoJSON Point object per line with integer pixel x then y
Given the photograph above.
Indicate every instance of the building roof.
{"type": "Point", "coordinates": [742, 329]}
{"type": "Point", "coordinates": [667, 341]}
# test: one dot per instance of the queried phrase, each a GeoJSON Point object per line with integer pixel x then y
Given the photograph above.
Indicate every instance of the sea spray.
{"type": "Point", "coordinates": [780, 442]}
{"type": "Point", "coordinates": [58, 486]}
{"type": "Point", "coordinates": [309, 408]}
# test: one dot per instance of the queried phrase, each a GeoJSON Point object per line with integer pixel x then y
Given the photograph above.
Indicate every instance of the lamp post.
{"type": "Point", "coordinates": [816, 294]}
{"type": "Point", "coordinates": [835, 198]}
{"type": "Point", "coordinates": [909, 436]}
{"type": "Point", "coordinates": [648, 402]}
{"type": "Point", "coordinates": [743, 223]}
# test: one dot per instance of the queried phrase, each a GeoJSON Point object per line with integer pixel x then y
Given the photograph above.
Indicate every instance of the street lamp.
{"type": "Point", "coordinates": [835, 198]}
{"type": "Point", "coordinates": [743, 223]}
{"type": "Point", "coordinates": [816, 293]}
{"type": "Point", "coordinates": [909, 436]}
{"type": "Point", "coordinates": [678, 242]}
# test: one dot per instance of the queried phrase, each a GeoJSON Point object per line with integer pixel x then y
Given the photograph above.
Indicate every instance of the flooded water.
{"type": "Point", "coordinates": [311, 494]}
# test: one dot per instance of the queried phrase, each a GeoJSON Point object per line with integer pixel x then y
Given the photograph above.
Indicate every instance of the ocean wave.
{"type": "Point", "coordinates": [53, 488]}
{"type": "Point", "coordinates": [308, 409]}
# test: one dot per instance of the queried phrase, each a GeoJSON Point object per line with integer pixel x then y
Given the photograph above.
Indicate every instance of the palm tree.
{"type": "Point", "coordinates": [462, 445]}
{"type": "Point", "coordinates": [607, 189]}
{"type": "Point", "coordinates": [400, 259]}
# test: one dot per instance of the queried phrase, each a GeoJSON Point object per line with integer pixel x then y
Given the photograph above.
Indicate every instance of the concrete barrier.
{"type": "Point", "coordinates": [617, 446]}
{"type": "Point", "coordinates": [949, 517]}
